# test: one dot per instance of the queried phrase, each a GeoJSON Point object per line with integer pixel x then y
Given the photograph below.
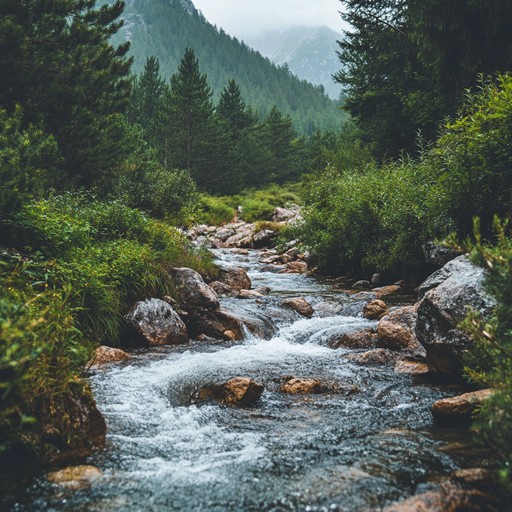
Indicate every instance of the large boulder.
{"type": "Point", "coordinates": [154, 322]}
{"type": "Point", "coordinates": [236, 277]}
{"type": "Point", "coordinates": [445, 297]}
{"type": "Point", "coordinates": [191, 291]}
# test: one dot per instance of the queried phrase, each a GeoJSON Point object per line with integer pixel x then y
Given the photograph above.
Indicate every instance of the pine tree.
{"type": "Point", "coordinates": [190, 117]}
{"type": "Point", "coordinates": [284, 147]}
{"type": "Point", "coordinates": [233, 110]}
{"type": "Point", "coordinates": [58, 64]}
{"type": "Point", "coordinates": [148, 106]}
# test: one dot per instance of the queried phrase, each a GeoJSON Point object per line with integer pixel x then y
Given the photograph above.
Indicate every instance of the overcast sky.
{"type": "Point", "coordinates": [243, 18]}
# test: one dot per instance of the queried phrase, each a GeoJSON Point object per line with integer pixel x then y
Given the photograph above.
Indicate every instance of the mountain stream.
{"type": "Point", "coordinates": [358, 449]}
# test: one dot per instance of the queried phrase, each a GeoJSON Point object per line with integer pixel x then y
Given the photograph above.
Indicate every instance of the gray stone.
{"type": "Point", "coordinates": [446, 295]}
{"type": "Point", "coordinates": [438, 255]}
{"type": "Point", "coordinates": [191, 291]}
{"type": "Point", "coordinates": [235, 277]}
{"type": "Point", "coordinates": [155, 323]}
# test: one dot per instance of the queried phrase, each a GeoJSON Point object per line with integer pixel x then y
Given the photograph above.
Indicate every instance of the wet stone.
{"type": "Point", "coordinates": [75, 477]}
{"type": "Point", "coordinates": [236, 392]}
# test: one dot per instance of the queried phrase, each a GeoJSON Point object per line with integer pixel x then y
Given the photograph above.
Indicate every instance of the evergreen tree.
{"type": "Point", "coordinates": [197, 139]}
{"type": "Point", "coordinates": [405, 64]}
{"type": "Point", "coordinates": [284, 147]}
{"type": "Point", "coordinates": [53, 55]}
{"type": "Point", "coordinates": [233, 110]}
{"type": "Point", "coordinates": [148, 108]}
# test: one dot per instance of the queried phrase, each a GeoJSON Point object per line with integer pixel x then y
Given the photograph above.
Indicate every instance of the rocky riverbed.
{"type": "Point", "coordinates": [299, 396]}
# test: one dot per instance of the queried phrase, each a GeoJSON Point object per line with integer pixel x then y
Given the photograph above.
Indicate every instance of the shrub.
{"type": "Point", "coordinates": [378, 218]}
{"type": "Point", "coordinates": [491, 363]}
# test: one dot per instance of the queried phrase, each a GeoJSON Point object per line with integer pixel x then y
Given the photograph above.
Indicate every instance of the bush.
{"type": "Point", "coordinates": [374, 220]}
{"type": "Point", "coordinates": [377, 219]}
{"type": "Point", "coordinates": [490, 364]}
{"type": "Point", "coordinates": [142, 182]}
{"type": "Point", "coordinates": [215, 211]}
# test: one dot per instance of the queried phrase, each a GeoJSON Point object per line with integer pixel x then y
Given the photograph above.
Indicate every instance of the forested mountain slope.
{"type": "Point", "coordinates": [165, 28]}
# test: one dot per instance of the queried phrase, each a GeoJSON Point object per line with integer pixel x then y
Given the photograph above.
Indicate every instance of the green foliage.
{"type": "Point", "coordinates": [256, 204]}
{"type": "Point", "coordinates": [377, 218]}
{"type": "Point", "coordinates": [491, 361]}
{"type": "Point", "coordinates": [474, 161]}
{"type": "Point", "coordinates": [405, 64]}
{"type": "Point", "coordinates": [366, 220]}
{"type": "Point", "coordinates": [90, 262]}
{"type": "Point", "coordinates": [215, 211]}
{"type": "Point", "coordinates": [41, 350]}
{"type": "Point", "coordinates": [28, 158]}
{"type": "Point", "coordinates": [59, 65]}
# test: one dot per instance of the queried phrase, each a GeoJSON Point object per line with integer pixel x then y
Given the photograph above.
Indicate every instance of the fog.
{"type": "Point", "coordinates": [248, 18]}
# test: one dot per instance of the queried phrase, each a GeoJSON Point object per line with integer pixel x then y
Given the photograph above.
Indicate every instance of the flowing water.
{"type": "Point", "coordinates": [358, 449]}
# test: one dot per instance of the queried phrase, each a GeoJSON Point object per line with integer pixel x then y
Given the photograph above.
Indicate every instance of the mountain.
{"type": "Point", "coordinates": [165, 28]}
{"type": "Point", "coordinates": [309, 52]}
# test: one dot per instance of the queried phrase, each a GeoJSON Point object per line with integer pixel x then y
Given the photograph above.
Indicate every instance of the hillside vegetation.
{"type": "Point", "coordinates": [166, 28]}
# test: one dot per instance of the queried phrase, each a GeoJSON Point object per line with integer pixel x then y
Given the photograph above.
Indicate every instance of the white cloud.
{"type": "Point", "coordinates": [243, 18]}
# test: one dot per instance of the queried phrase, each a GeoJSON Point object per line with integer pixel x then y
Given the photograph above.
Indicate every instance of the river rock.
{"type": "Point", "coordinates": [378, 356]}
{"type": "Point", "coordinates": [223, 290]}
{"type": "Point", "coordinates": [263, 238]}
{"type": "Point", "coordinates": [238, 392]}
{"type": "Point", "coordinates": [438, 255]}
{"type": "Point", "coordinates": [235, 277]}
{"type": "Point", "coordinates": [460, 409]}
{"type": "Point", "coordinates": [396, 330]}
{"type": "Point", "coordinates": [354, 340]}
{"type": "Point", "coordinates": [362, 285]}
{"type": "Point", "coordinates": [411, 367]}
{"type": "Point", "coordinates": [375, 310]}
{"type": "Point", "coordinates": [445, 298]}
{"type": "Point", "coordinates": [249, 294]}
{"type": "Point", "coordinates": [210, 324]}
{"type": "Point", "coordinates": [241, 391]}
{"type": "Point", "coordinates": [295, 267]}
{"type": "Point", "coordinates": [301, 305]}
{"type": "Point", "coordinates": [75, 477]}
{"type": "Point", "coordinates": [191, 291]}
{"type": "Point", "coordinates": [156, 323]}
{"type": "Point", "coordinates": [449, 498]}
{"type": "Point", "coordinates": [295, 386]}
{"type": "Point", "coordinates": [385, 290]}
{"type": "Point", "coordinates": [106, 355]}
{"type": "Point", "coordinates": [285, 214]}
